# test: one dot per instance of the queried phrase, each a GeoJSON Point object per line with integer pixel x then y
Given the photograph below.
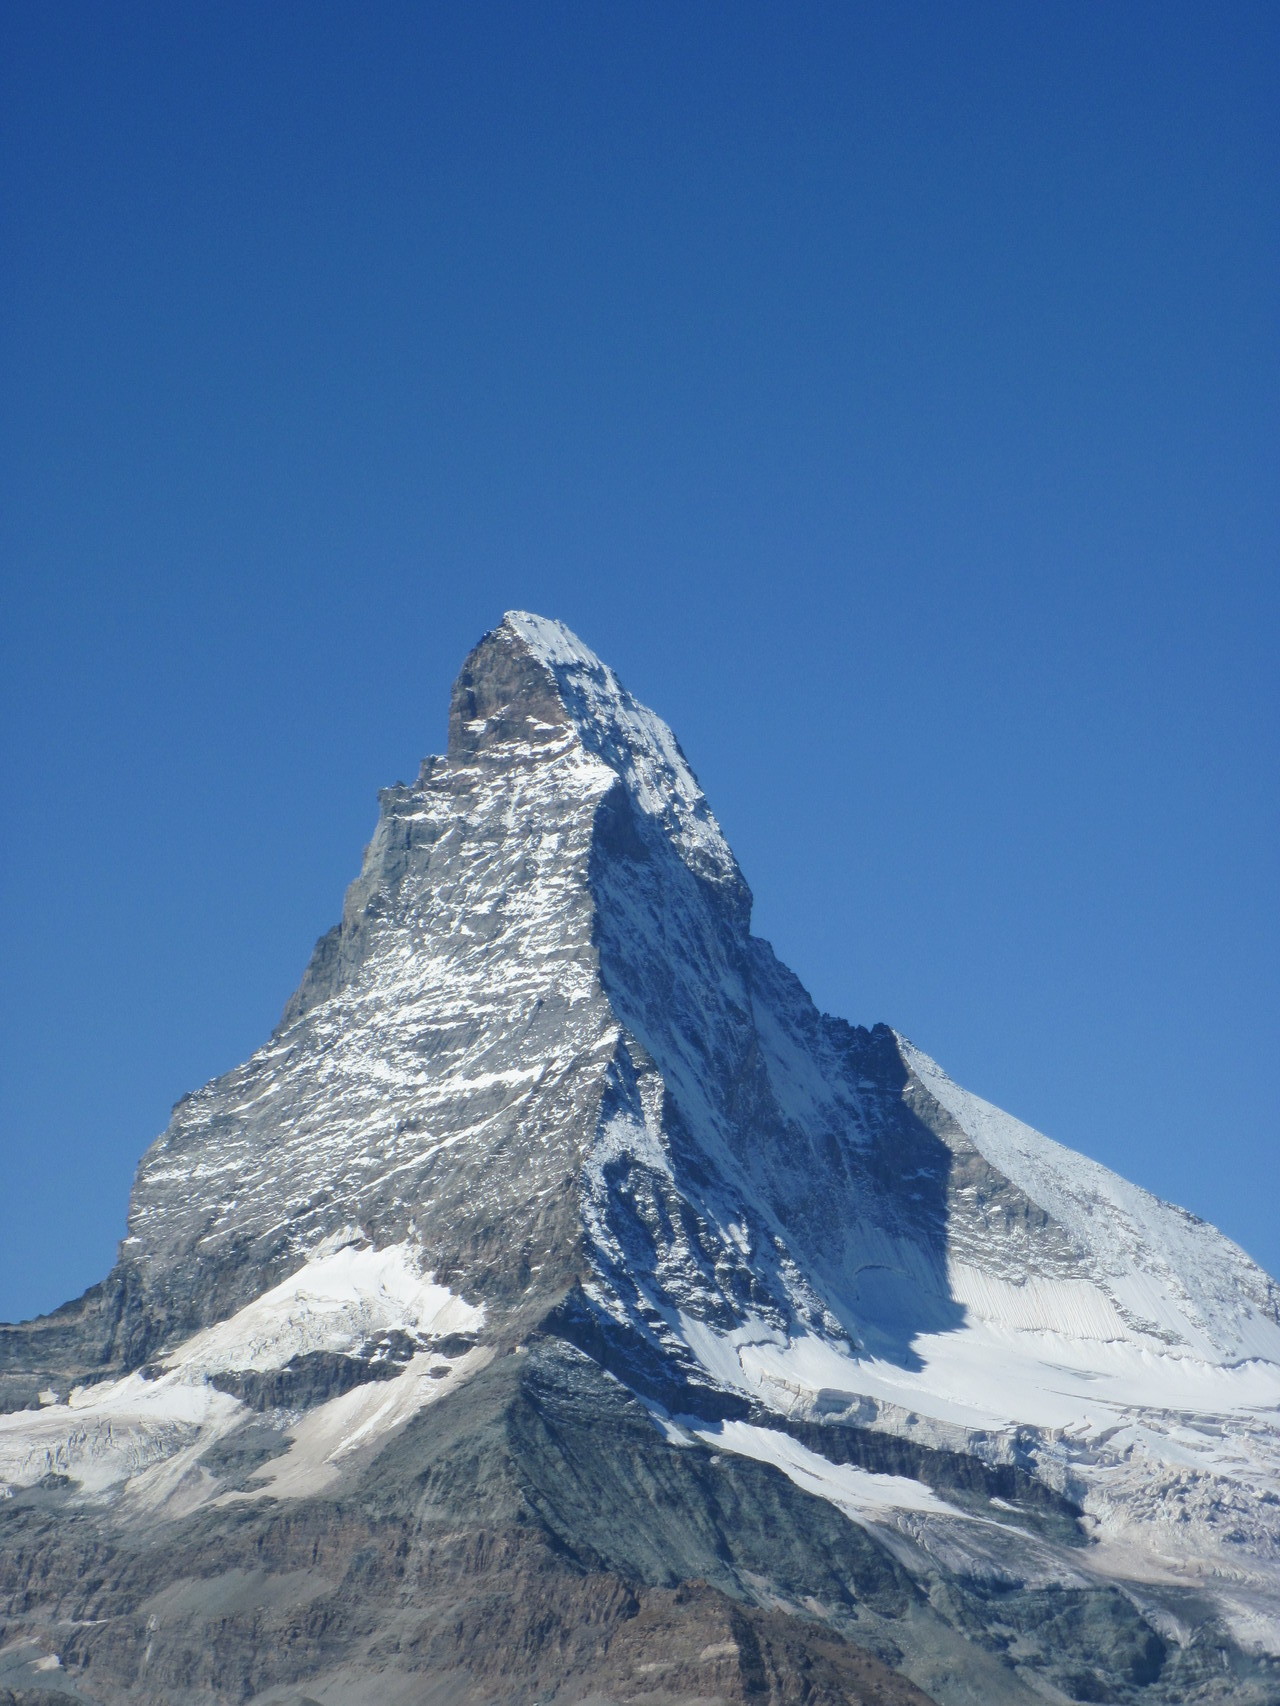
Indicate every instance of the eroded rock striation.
{"type": "Point", "coordinates": [558, 1307]}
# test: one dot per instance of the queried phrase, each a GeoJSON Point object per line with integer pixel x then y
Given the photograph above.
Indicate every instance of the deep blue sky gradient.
{"type": "Point", "coordinates": [887, 390]}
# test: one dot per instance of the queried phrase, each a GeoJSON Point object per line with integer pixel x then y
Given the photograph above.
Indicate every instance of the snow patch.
{"type": "Point", "coordinates": [1073, 1307]}
{"type": "Point", "coordinates": [149, 1433]}
{"type": "Point", "coordinates": [337, 1302]}
{"type": "Point", "coordinates": [860, 1494]}
{"type": "Point", "coordinates": [358, 1421]}
{"type": "Point", "coordinates": [1177, 1280]}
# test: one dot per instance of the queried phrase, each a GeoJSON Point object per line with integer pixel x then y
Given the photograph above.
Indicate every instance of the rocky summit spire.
{"type": "Point", "coordinates": [505, 696]}
{"type": "Point", "coordinates": [531, 681]}
{"type": "Point", "coordinates": [547, 1147]}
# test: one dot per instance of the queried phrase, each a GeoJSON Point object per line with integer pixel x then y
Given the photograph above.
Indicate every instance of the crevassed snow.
{"type": "Point", "coordinates": [150, 1432]}
{"type": "Point", "coordinates": [103, 1435]}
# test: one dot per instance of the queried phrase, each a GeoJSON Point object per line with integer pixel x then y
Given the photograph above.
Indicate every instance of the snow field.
{"type": "Point", "coordinates": [144, 1435]}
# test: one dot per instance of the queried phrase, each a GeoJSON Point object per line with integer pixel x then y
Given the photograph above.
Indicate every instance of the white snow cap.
{"type": "Point", "coordinates": [633, 741]}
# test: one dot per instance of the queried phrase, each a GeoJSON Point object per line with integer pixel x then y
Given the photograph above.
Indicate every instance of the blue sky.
{"type": "Point", "coordinates": [888, 391]}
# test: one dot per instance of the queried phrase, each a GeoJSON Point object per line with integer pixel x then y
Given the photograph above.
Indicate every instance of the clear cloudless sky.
{"type": "Point", "coordinates": [888, 390]}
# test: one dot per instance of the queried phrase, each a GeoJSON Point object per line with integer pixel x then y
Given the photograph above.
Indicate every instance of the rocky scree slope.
{"type": "Point", "coordinates": [556, 1255]}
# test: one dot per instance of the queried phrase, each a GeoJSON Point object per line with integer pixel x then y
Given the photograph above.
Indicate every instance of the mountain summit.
{"type": "Point", "coordinates": [559, 1307]}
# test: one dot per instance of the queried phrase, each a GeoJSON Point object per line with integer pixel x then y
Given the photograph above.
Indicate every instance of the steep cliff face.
{"type": "Point", "coordinates": [549, 1150]}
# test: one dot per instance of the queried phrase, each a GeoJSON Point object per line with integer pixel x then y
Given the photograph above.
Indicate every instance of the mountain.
{"type": "Point", "coordinates": [558, 1307]}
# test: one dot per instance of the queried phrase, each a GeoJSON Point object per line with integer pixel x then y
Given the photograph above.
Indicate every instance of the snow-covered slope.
{"type": "Point", "coordinates": [144, 1434]}
{"type": "Point", "coordinates": [543, 1079]}
{"type": "Point", "coordinates": [1168, 1276]}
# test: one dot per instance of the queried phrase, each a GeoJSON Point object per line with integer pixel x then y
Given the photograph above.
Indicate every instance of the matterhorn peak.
{"type": "Point", "coordinates": [532, 681]}
{"type": "Point", "coordinates": [556, 1254]}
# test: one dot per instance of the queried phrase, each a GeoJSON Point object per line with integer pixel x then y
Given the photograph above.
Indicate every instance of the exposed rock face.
{"type": "Point", "coordinates": [559, 1307]}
